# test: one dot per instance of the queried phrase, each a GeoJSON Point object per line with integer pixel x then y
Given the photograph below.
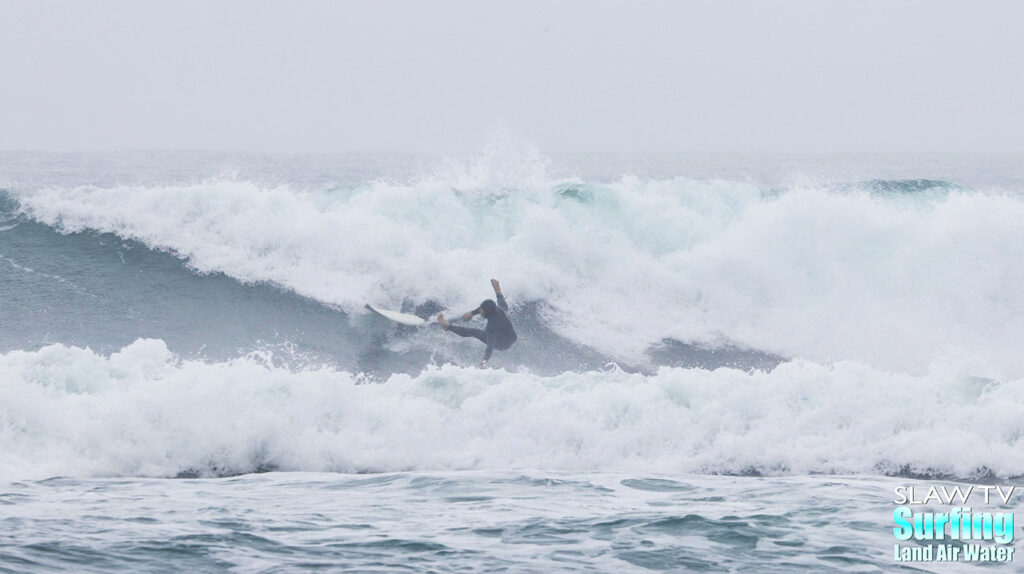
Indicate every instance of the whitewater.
{"type": "Point", "coordinates": [702, 343]}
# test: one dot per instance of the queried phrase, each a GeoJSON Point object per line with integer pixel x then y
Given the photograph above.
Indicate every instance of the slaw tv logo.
{"type": "Point", "coordinates": [966, 531]}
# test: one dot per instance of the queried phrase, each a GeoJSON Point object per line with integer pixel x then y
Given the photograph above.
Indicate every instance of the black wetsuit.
{"type": "Point", "coordinates": [498, 334]}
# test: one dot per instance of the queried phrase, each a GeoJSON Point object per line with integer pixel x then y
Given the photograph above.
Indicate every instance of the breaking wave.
{"type": "Point", "coordinates": [144, 411]}
{"type": "Point", "coordinates": [894, 274]}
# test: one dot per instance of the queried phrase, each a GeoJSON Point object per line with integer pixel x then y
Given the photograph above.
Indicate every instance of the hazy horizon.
{"type": "Point", "coordinates": [790, 77]}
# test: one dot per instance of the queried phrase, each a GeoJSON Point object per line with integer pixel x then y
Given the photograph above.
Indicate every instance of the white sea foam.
{"type": "Point", "coordinates": [894, 282]}
{"type": "Point", "coordinates": [145, 412]}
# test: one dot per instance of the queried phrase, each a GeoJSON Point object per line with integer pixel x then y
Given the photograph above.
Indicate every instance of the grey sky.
{"type": "Point", "coordinates": [566, 76]}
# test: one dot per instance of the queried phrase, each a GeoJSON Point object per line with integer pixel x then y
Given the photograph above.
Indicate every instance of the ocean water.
{"type": "Point", "coordinates": [725, 363]}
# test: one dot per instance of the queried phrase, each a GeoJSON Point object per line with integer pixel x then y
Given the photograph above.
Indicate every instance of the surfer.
{"type": "Point", "coordinates": [498, 334]}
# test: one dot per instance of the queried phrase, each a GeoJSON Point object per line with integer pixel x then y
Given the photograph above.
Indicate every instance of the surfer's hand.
{"type": "Point", "coordinates": [467, 316]}
{"type": "Point", "coordinates": [497, 286]}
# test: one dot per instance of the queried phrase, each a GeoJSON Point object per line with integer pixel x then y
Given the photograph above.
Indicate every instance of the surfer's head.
{"type": "Point", "coordinates": [487, 308]}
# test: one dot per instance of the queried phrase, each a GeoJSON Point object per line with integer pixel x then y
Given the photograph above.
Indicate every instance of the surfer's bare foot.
{"type": "Point", "coordinates": [443, 322]}
{"type": "Point", "coordinates": [497, 286]}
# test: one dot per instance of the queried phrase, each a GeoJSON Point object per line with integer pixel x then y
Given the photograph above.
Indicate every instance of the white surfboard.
{"type": "Point", "coordinates": [403, 318]}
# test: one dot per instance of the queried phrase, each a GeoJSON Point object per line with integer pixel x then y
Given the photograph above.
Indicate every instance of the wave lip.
{"type": "Point", "coordinates": [146, 412]}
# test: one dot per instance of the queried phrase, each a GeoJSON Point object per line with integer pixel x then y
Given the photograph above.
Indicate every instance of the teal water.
{"type": "Point", "coordinates": [451, 522]}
